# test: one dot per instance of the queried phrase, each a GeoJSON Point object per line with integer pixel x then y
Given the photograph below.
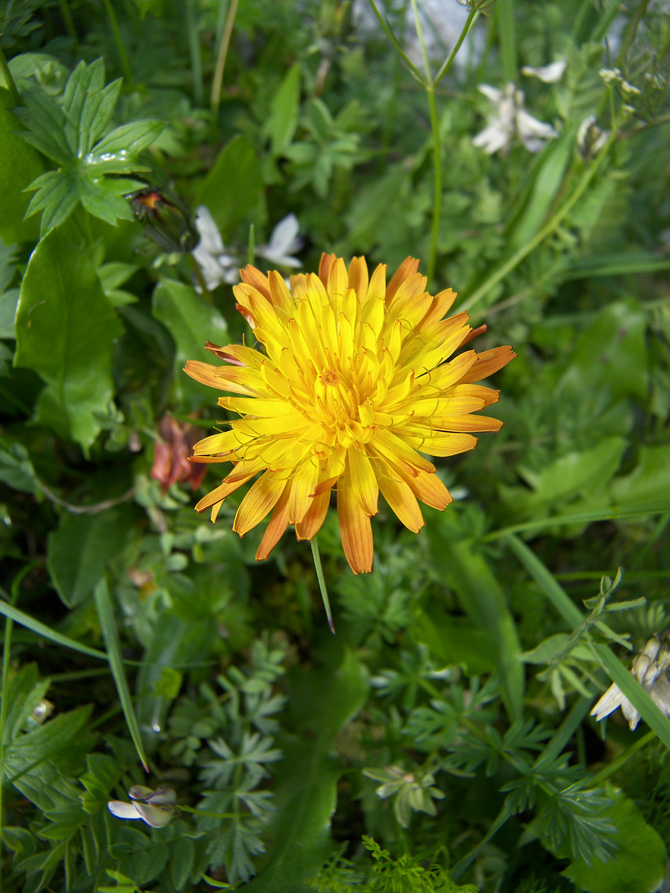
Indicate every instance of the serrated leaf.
{"type": "Point", "coordinates": [65, 331]}
{"type": "Point", "coordinates": [124, 142]}
{"type": "Point", "coordinates": [56, 196]}
{"type": "Point", "coordinates": [16, 469]}
{"type": "Point", "coordinates": [105, 199]}
{"type": "Point", "coordinates": [45, 123]}
{"type": "Point", "coordinates": [281, 123]}
{"type": "Point", "coordinates": [640, 863]}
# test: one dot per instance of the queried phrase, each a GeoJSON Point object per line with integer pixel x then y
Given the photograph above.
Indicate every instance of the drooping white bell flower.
{"type": "Point", "coordinates": [511, 121]}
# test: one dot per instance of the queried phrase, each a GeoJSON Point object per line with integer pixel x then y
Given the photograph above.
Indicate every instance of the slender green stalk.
{"type": "Point", "coordinates": [252, 244]}
{"type": "Point", "coordinates": [194, 52]}
{"type": "Point", "coordinates": [446, 65]}
{"type": "Point", "coordinates": [542, 234]}
{"type": "Point", "coordinates": [118, 40]}
{"type": "Point", "coordinates": [68, 20]}
{"type": "Point", "coordinates": [507, 34]}
{"type": "Point", "coordinates": [7, 81]}
{"type": "Point", "coordinates": [623, 758]}
{"type": "Point", "coordinates": [322, 582]}
{"type": "Point", "coordinates": [217, 82]}
{"type": "Point", "coordinates": [6, 658]}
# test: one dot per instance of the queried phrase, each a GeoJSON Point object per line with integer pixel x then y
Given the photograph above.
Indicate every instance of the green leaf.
{"type": "Point", "coordinates": [650, 477]}
{"type": "Point", "coordinates": [611, 354]}
{"type": "Point", "coordinates": [640, 863]}
{"type": "Point", "coordinates": [57, 195]}
{"type": "Point", "coordinates": [322, 701]}
{"type": "Point", "coordinates": [65, 331]}
{"type": "Point", "coordinates": [459, 561]}
{"type": "Point", "coordinates": [113, 153]}
{"type": "Point", "coordinates": [79, 550]}
{"type": "Point", "coordinates": [103, 604]}
{"type": "Point", "coordinates": [232, 187]}
{"type": "Point", "coordinates": [45, 632]}
{"type": "Point", "coordinates": [20, 165]}
{"type": "Point", "coordinates": [191, 321]}
{"type": "Point", "coordinates": [16, 469]}
{"type": "Point", "coordinates": [281, 123]}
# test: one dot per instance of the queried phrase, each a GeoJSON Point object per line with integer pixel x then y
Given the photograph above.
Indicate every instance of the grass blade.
{"type": "Point", "coordinates": [103, 604]}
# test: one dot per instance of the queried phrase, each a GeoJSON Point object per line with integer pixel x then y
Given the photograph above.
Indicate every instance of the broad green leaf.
{"type": "Point", "coordinates": [191, 321]}
{"type": "Point", "coordinates": [650, 477]}
{"type": "Point", "coordinates": [611, 354]}
{"type": "Point", "coordinates": [462, 564]}
{"type": "Point", "coordinates": [455, 640]}
{"type": "Point", "coordinates": [232, 187]}
{"type": "Point", "coordinates": [280, 125]}
{"type": "Point", "coordinates": [111, 154]}
{"type": "Point", "coordinates": [103, 604]}
{"type": "Point", "coordinates": [44, 742]}
{"type": "Point", "coordinates": [640, 864]}
{"type": "Point", "coordinates": [322, 702]}
{"type": "Point", "coordinates": [20, 165]}
{"type": "Point", "coordinates": [628, 264]}
{"type": "Point", "coordinates": [579, 472]}
{"type": "Point", "coordinates": [80, 548]}
{"type": "Point", "coordinates": [65, 330]}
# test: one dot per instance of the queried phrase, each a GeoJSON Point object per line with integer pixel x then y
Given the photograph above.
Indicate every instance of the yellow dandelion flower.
{"type": "Point", "coordinates": [353, 386]}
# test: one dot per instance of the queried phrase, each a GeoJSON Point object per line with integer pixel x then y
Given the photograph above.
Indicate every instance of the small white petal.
{"type": "Point", "coordinates": [123, 810]}
{"type": "Point", "coordinates": [493, 138]}
{"type": "Point", "coordinates": [631, 714]}
{"type": "Point", "coordinates": [493, 94]}
{"type": "Point", "coordinates": [608, 703]}
{"type": "Point", "coordinates": [140, 792]}
{"type": "Point", "coordinates": [210, 237]}
{"type": "Point", "coordinates": [549, 74]}
{"type": "Point", "coordinates": [156, 816]}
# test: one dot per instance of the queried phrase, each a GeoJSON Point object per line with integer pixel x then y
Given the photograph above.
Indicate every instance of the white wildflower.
{"type": "Point", "coordinates": [650, 668]}
{"type": "Point", "coordinates": [511, 120]}
{"type": "Point", "coordinates": [216, 264]}
{"type": "Point", "coordinates": [590, 138]}
{"type": "Point", "coordinates": [284, 241]}
{"type": "Point", "coordinates": [156, 808]}
{"type": "Point", "coordinates": [548, 74]}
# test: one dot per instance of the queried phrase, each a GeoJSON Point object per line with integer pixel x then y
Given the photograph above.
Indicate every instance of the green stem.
{"type": "Point", "coordinates": [546, 230]}
{"type": "Point", "coordinates": [118, 40]}
{"type": "Point", "coordinates": [194, 52]}
{"type": "Point", "coordinates": [68, 20]}
{"type": "Point", "coordinates": [506, 32]}
{"type": "Point", "coordinates": [7, 81]}
{"type": "Point", "coordinates": [623, 758]}
{"type": "Point", "coordinates": [6, 658]}
{"type": "Point", "coordinates": [322, 582]}
{"type": "Point", "coordinates": [217, 83]}
{"type": "Point", "coordinates": [446, 65]}
{"type": "Point", "coordinates": [437, 184]}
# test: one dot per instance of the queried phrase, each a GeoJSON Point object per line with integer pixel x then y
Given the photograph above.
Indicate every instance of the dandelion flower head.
{"type": "Point", "coordinates": [355, 382]}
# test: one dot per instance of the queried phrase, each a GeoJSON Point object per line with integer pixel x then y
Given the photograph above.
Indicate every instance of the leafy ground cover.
{"type": "Point", "coordinates": [178, 716]}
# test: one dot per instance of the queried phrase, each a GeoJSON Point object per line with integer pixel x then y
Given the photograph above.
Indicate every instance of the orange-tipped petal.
{"type": "Point", "coordinates": [355, 530]}
{"type": "Point", "coordinates": [402, 501]}
{"type": "Point", "coordinates": [406, 269]}
{"type": "Point", "coordinates": [251, 276]}
{"type": "Point", "coordinates": [276, 526]}
{"type": "Point", "coordinates": [205, 373]}
{"type": "Point", "coordinates": [488, 362]}
{"type": "Point", "coordinates": [314, 517]}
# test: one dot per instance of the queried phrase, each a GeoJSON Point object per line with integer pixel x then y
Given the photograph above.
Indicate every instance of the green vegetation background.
{"type": "Point", "coordinates": [442, 737]}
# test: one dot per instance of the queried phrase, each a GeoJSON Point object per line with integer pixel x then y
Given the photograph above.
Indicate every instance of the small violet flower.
{"type": "Point", "coordinates": [156, 808]}
{"type": "Point", "coordinates": [650, 668]}
{"type": "Point", "coordinates": [511, 121]}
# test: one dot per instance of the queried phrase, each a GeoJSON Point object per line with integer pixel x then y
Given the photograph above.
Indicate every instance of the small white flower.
{"type": "Point", "coordinates": [156, 808]}
{"type": "Point", "coordinates": [548, 74]}
{"type": "Point", "coordinates": [284, 240]}
{"type": "Point", "coordinates": [511, 120]}
{"type": "Point", "coordinates": [650, 668]}
{"type": "Point", "coordinates": [590, 138]}
{"type": "Point", "coordinates": [216, 264]}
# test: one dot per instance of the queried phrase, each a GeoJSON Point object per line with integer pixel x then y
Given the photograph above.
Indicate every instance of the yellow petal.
{"type": "Point", "coordinates": [276, 526]}
{"type": "Point", "coordinates": [402, 501]}
{"type": "Point", "coordinates": [363, 481]}
{"type": "Point", "coordinates": [257, 503]}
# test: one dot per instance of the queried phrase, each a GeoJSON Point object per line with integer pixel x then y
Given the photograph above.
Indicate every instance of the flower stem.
{"type": "Point", "coordinates": [322, 582]}
{"type": "Point", "coordinates": [542, 234]}
{"type": "Point", "coordinates": [118, 40]}
{"type": "Point", "coordinates": [217, 82]}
